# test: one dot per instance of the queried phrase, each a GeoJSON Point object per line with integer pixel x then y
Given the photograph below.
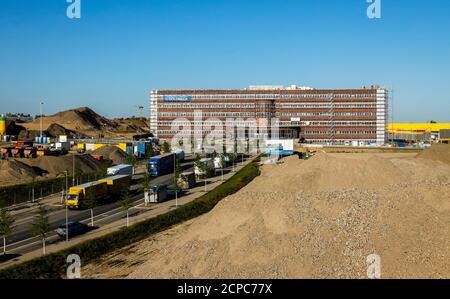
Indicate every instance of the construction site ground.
{"type": "Point", "coordinates": [316, 218]}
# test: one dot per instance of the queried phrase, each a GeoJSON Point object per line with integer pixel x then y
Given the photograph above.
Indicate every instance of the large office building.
{"type": "Point", "coordinates": [326, 116]}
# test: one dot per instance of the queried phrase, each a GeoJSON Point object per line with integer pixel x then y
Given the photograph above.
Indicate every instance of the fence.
{"type": "Point", "coordinates": [32, 191]}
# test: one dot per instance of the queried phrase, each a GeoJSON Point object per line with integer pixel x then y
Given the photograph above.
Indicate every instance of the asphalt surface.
{"type": "Point", "coordinates": [22, 240]}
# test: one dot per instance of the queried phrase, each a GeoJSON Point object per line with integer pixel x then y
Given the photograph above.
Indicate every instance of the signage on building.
{"type": "Point", "coordinates": [295, 121]}
{"type": "Point", "coordinates": [177, 98]}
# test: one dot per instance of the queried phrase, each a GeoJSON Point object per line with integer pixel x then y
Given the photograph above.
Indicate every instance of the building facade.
{"type": "Point", "coordinates": [327, 116]}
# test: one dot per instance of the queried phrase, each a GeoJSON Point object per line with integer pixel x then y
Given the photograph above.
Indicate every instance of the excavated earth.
{"type": "Point", "coordinates": [319, 218]}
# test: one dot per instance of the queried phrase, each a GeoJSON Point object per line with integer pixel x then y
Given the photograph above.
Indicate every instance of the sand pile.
{"type": "Point", "coordinates": [83, 120]}
{"type": "Point", "coordinates": [309, 219]}
{"type": "Point", "coordinates": [55, 166]}
{"type": "Point", "coordinates": [438, 152]}
{"type": "Point", "coordinates": [136, 124]}
{"type": "Point", "coordinates": [12, 170]}
{"type": "Point", "coordinates": [112, 153]}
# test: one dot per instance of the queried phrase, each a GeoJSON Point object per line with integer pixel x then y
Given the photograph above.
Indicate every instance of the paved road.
{"type": "Point", "coordinates": [22, 240]}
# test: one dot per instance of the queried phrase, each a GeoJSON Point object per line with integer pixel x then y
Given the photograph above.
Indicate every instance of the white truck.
{"type": "Point", "coordinates": [122, 169]}
{"type": "Point", "coordinates": [280, 146]}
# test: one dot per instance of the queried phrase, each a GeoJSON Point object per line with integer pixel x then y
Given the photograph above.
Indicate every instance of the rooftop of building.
{"type": "Point", "coordinates": [268, 89]}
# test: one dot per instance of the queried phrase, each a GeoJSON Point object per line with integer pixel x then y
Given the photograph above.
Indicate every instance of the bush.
{"type": "Point", "coordinates": [54, 265]}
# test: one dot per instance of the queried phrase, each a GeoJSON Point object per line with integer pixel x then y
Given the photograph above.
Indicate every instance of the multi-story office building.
{"type": "Point", "coordinates": [336, 116]}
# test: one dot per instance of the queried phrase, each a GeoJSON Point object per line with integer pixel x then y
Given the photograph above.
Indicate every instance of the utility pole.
{"type": "Point", "coordinates": [175, 178]}
{"type": "Point", "coordinates": [392, 116]}
{"type": "Point", "coordinates": [67, 223]}
{"type": "Point", "coordinates": [73, 170]}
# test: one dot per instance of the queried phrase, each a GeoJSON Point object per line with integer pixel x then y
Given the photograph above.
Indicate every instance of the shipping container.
{"type": "Point", "coordinates": [62, 146]}
{"type": "Point", "coordinates": [117, 184]}
{"type": "Point", "coordinates": [444, 134]}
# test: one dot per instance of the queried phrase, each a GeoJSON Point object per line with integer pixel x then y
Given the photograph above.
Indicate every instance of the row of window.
{"type": "Point", "coordinates": [267, 114]}
{"type": "Point", "coordinates": [277, 95]}
{"type": "Point", "coordinates": [335, 123]}
{"type": "Point", "coordinates": [315, 132]}
{"type": "Point", "coordinates": [206, 114]}
{"type": "Point", "coordinates": [325, 105]}
{"type": "Point", "coordinates": [327, 96]}
{"type": "Point", "coordinates": [325, 114]}
{"type": "Point", "coordinates": [209, 105]}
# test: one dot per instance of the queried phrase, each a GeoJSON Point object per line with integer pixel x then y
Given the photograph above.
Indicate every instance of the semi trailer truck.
{"type": "Point", "coordinates": [161, 165]}
{"type": "Point", "coordinates": [78, 195]}
{"type": "Point", "coordinates": [122, 169]}
{"type": "Point", "coordinates": [108, 188]}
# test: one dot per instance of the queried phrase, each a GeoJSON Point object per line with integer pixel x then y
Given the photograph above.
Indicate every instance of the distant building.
{"type": "Point", "coordinates": [336, 116]}
{"type": "Point", "coordinates": [18, 117]}
{"type": "Point", "coordinates": [418, 131]}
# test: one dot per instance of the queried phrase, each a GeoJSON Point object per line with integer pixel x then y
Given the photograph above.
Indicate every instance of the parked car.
{"type": "Point", "coordinates": [75, 228]}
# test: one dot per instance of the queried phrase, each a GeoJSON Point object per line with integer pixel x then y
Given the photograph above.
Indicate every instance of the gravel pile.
{"type": "Point", "coordinates": [112, 153]}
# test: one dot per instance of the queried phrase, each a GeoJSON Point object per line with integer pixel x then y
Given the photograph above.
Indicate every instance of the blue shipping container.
{"type": "Point", "coordinates": [129, 149]}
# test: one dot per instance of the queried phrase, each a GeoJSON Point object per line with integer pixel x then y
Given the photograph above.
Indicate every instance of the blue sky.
{"type": "Point", "coordinates": [119, 49]}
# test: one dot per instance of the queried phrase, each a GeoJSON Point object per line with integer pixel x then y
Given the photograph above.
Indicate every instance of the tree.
{"type": "Point", "coordinates": [222, 163]}
{"type": "Point", "coordinates": [145, 181]}
{"type": "Point", "coordinates": [166, 147]}
{"type": "Point", "coordinates": [40, 226]}
{"type": "Point", "coordinates": [90, 202]}
{"type": "Point", "coordinates": [233, 158]}
{"type": "Point", "coordinates": [126, 203]}
{"type": "Point", "coordinates": [6, 225]}
{"type": "Point", "coordinates": [177, 175]}
{"type": "Point", "coordinates": [102, 169]}
{"type": "Point", "coordinates": [176, 180]}
{"type": "Point", "coordinates": [131, 159]}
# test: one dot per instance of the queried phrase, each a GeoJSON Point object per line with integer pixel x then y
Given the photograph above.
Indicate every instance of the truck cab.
{"type": "Point", "coordinates": [74, 197]}
{"type": "Point", "coordinates": [153, 167]}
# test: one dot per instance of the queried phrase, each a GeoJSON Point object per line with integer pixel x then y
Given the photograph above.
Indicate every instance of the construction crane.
{"type": "Point", "coordinates": [140, 110]}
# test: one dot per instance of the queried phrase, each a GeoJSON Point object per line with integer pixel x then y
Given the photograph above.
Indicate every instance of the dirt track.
{"type": "Point", "coordinates": [319, 218]}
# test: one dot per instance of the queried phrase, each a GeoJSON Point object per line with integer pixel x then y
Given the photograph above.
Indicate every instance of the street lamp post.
{"type": "Point", "coordinates": [73, 170]}
{"type": "Point", "coordinates": [40, 117]}
{"type": "Point", "coordinates": [175, 179]}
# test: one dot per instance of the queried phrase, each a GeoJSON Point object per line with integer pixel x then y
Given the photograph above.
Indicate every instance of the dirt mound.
{"type": "Point", "coordinates": [135, 125]}
{"type": "Point", "coordinates": [328, 172]}
{"type": "Point", "coordinates": [54, 130]}
{"type": "Point", "coordinates": [112, 153]}
{"type": "Point", "coordinates": [12, 170]}
{"type": "Point", "coordinates": [438, 152]}
{"type": "Point", "coordinates": [55, 166]}
{"type": "Point", "coordinates": [319, 218]}
{"type": "Point", "coordinates": [83, 120]}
